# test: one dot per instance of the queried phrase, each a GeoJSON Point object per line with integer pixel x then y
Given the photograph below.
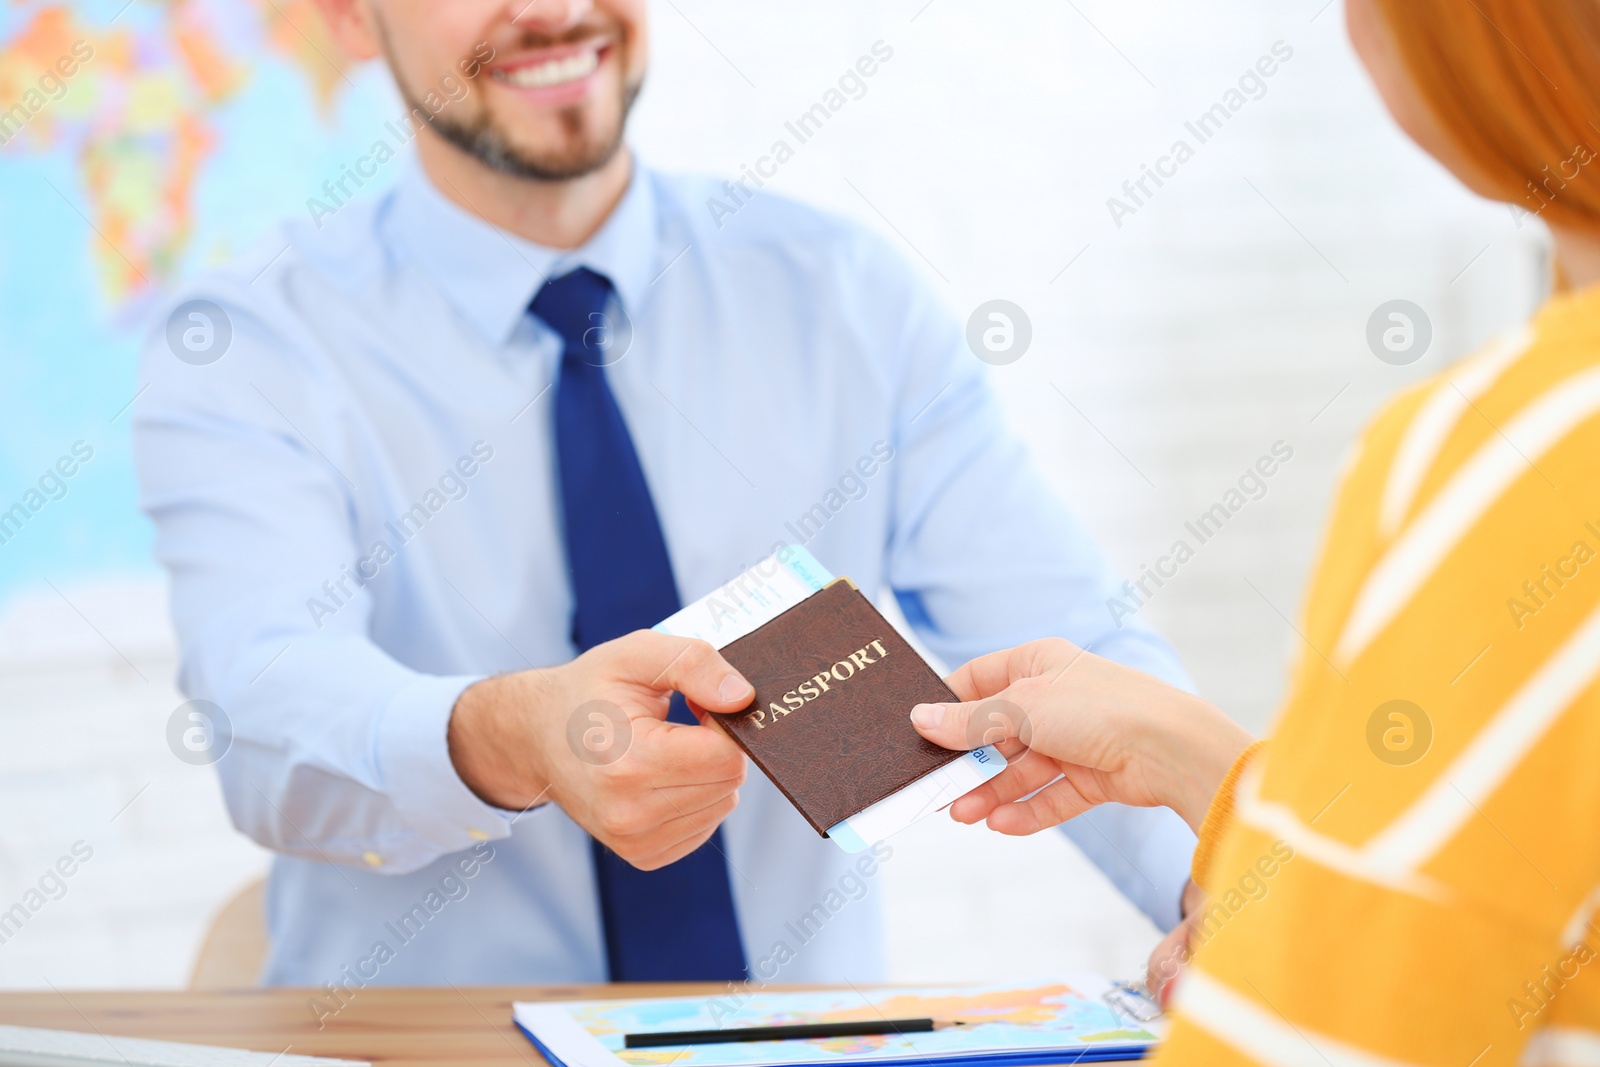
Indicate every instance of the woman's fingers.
{"type": "Point", "coordinates": [1070, 731]}
{"type": "Point", "coordinates": [1167, 961]}
{"type": "Point", "coordinates": [986, 675]}
{"type": "Point", "coordinates": [967, 726]}
{"type": "Point", "coordinates": [1051, 806]}
{"type": "Point", "coordinates": [1024, 773]}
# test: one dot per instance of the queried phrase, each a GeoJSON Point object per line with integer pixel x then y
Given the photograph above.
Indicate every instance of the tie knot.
{"type": "Point", "coordinates": [575, 306]}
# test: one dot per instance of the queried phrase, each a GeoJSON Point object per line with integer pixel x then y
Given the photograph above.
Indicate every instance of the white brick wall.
{"type": "Point", "coordinates": [1200, 332]}
{"type": "Point", "coordinates": [86, 759]}
{"type": "Point", "coordinates": [1203, 330]}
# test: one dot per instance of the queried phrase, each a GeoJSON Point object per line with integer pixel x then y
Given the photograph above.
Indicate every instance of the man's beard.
{"type": "Point", "coordinates": [483, 140]}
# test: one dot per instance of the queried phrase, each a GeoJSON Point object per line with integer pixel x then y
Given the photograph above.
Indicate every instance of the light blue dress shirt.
{"type": "Point", "coordinates": [356, 504]}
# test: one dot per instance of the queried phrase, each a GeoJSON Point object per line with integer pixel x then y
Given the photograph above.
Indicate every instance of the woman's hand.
{"type": "Point", "coordinates": [1172, 955]}
{"type": "Point", "coordinates": [1079, 731]}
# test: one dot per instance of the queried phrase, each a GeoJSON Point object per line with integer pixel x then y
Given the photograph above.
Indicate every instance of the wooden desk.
{"type": "Point", "coordinates": [459, 1027]}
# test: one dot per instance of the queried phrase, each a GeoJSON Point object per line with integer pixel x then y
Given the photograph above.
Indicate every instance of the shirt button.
{"type": "Point", "coordinates": [373, 859]}
{"type": "Point", "coordinates": [477, 835]}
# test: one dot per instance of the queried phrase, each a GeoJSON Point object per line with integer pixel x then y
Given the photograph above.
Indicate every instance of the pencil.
{"type": "Point", "coordinates": [790, 1032]}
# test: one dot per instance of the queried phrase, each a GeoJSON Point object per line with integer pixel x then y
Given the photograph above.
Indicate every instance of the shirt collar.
{"type": "Point", "coordinates": [491, 275]}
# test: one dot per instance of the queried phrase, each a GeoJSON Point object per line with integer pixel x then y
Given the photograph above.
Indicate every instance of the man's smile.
{"type": "Point", "coordinates": [558, 74]}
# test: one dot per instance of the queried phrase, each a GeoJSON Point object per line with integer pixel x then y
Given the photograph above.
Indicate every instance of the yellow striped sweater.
{"type": "Point", "coordinates": [1411, 872]}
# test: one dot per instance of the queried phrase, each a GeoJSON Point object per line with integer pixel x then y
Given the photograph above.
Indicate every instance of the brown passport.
{"type": "Point", "coordinates": [830, 723]}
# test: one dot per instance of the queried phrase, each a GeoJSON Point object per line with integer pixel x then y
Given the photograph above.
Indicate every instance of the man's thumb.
{"type": "Point", "coordinates": [971, 725]}
{"type": "Point", "coordinates": [693, 668]}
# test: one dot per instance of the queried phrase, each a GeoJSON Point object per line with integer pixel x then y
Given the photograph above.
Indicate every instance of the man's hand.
{"type": "Point", "coordinates": [591, 735]}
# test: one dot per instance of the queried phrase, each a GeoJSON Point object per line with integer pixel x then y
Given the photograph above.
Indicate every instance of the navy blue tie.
{"type": "Point", "coordinates": [676, 923]}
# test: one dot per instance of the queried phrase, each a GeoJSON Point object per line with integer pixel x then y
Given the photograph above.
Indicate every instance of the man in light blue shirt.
{"type": "Point", "coordinates": [347, 446]}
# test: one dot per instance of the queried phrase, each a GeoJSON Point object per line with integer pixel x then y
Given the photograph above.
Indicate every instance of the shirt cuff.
{"type": "Point", "coordinates": [1219, 816]}
{"type": "Point", "coordinates": [418, 775]}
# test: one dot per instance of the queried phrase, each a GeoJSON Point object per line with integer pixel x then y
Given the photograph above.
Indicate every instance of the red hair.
{"type": "Point", "coordinates": [1516, 86]}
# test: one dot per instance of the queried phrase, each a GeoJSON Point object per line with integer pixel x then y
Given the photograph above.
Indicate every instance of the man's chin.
{"type": "Point", "coordinates": [565, 156]}
{"type": "Point", "coordinates": [564, 163]}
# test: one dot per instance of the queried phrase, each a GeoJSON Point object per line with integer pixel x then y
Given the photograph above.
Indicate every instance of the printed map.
{"type": "Point", "coordinates": [1002, 1017]}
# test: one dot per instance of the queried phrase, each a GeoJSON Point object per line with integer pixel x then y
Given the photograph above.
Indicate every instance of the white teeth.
{"type": "Point", "coordinates": [555, 72]}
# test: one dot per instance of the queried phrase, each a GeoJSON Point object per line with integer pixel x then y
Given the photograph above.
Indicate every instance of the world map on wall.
{"type": "Point", "coordinates": [140, 141]}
